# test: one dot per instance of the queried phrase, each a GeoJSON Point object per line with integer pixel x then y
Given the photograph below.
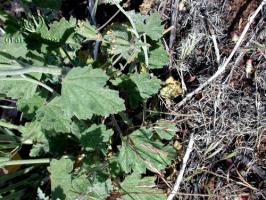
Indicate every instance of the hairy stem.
{"type": "Point", "coordinates": [9, 125]}
{"type": "Point", "coordinates": [18, 70]}
{"type": "Point", "coordinates": [144, 47]}
{"type": "Point", "coordinates": [26, 162]}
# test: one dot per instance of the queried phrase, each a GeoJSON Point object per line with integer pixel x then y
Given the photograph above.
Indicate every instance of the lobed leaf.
{"type": "Point", "coordinates": [147, 86]}
{"type": "Point", "coordinates": [84, 94]}
{"type": "Point", "coordinates": [95, 138]}
{"type": "Point", "coordinates": [139, 150]}
{"type": "Point", "coordinates": [53, 118]}
{"type": "Point", "coordinates": [137, 188]}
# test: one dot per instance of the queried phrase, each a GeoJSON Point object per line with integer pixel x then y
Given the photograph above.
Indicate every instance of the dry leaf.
{"type": "Point", "coordinates": [145, 7]}
{"type": "Point", "coordinates": [171, 89]}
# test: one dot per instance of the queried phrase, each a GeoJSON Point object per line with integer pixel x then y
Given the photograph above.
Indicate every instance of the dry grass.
{"type": "Point", "coordinates": [230, 124]}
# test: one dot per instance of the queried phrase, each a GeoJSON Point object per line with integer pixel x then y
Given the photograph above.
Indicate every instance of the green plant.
{"type": "Point", "coordinates": [73, 111]}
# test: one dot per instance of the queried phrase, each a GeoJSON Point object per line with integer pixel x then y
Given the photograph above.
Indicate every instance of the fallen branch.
{"type": "Point", "coordinates": [222, 68]}
{"type": "Point", "coordinates": [184, 164]}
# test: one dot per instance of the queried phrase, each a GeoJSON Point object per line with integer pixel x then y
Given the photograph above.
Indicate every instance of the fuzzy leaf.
{"type": "Point", "coordinates": [147, 86]}
{"type": "Point", "coordinates": [95, 138]}
{"type": "Point", "coordinates": [126, 157]}
{"type": "Point", "coordinates": [92, 190]}
{"type": "Point", "coordinates": [53, 118]}
{"type": "Point", "coordinates": [140, 150]}
{"type": "Point", "coordinates": [165, 129]}
{"type": "Point", "coordinates": [151, 26]}
{"type": "Point", "coordinates": [12, 47]}
{"type": "Point", "coordinates": [32, 132]}
{"type": "Point", "coordinates": [84, 94]}
{"type": "Point", "coordinates": [60, 30]}
{"type": "Point", "coordinates": [29, 106]}
{"type": "Point", "coordinates": [138, 87]}
{"type": "Point", "coordinates": [17, 88]}
{"type": "Point", "coordinates": [87, 30]}
{"type": "Point", "coordinates": [158, 58]}
{"type": "Point", "coordinates": [137, 188]}
{"type": "Point", "coordinates": [120, 41]}
{"type": "Point", "coordinates": [61, 178]}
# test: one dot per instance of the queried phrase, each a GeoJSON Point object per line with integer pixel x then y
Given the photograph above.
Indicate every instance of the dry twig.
{"type": "Point", "coordinates": [184, 164]}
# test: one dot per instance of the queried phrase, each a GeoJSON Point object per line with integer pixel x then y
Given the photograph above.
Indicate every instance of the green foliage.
{"type": "Point", "coordinates": [138, 87]}
{"type": "Point", "coordinates": [146, 85]}
{"type": "Point", "coordinates": [84, 114]}
{"type": "Point", "coordinates": [17, 87]}
{"type": "Point", "coordinates": [137, 188]}
{"type": "Point", "coordinates": [53, 118]}
{"type": "Point", "coordinates": [30, 106]}
{"type": "Point", "coordinates": [86, 30]}
{"type": "Point", "coordinates": [165, 129]}
{"type": "Point", "coordinates": [65, 185]}
{"type": "Point", "coordinates": [140, 152]}
{"type": "Point", "coordinates": [61, 178]}
{"type": "Point", "coordinates": [94, 98]}
{"type": "Point", "coordinates": [95, 138]}
{"type": "Point", "coordinates": [13, 47]}
{"type": "Point", "coordinates": [151, 26]}
{"type": "Point", "coordinates": [158, 57]}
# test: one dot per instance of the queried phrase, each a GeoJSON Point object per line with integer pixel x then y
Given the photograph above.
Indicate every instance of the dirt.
{"type": "Point", "coordinates": [240, 10]}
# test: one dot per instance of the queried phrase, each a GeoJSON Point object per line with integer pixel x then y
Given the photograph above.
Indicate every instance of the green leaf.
{"type": "Point", "coordinates": [12, 48]}
{"type": "Point", "coordinates": [53, 117]}
{"type": "Point", "coordinates": [158, 58]}
{"type": "Point", "coordinates": [121, 41]}
{"type": "Point", "coordinates": [129, 89]}
{"type": "Point", "coordinates": [91, 189]}
{"type": "Point", "coordinates": [30, 105]}
{"type": "Point", "coordinates": [151, 26]}
{"type": "Point", "coordinates": [60, 30]}
{"type": "Point", "coordinates": [96, 137]}
{"type": "Point", "coordinates": [39, 149]}
{"type": "Point", "coordinates": [17, 88]}
{"type": "Point", "coordinates": [4, 16]}
{"type": "Point", "coordinates": [84, 94]}
{"type": "Point", "coordinates": [139, 150]}
{"type": "Point", "coordinates": [147, 86]}
{"type": "Point", "coordinates": [60, 171]}
{"type": "Point", "coordinates": [65, 185]}
{"type": "Point", "coordinates": [165, 129]}
{"type": "Point", "coordinates": [138, 87]}
{"type": "Point", "coordinates": [32, 132]}
{"type": "Point", "coordinates": [137, 188]}
{"type": "Point", "coordinates": [100, 190]}
{"type": "Point", "coordinates": [86, 30]}
{"type": "Point", "coordinates": [126, 157]}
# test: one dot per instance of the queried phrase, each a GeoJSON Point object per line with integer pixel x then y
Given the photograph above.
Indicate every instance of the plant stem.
{"type": "Point", "coordinates": [9, 125]}
{"type": "Point", "coordinates": [20, 70]}
{"type": "Point", "coordinates": [144, 47]}
{"type": "Point", "coordinates": [27, 162]}
{"type": "Point", "coordinates": [7, 107]}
